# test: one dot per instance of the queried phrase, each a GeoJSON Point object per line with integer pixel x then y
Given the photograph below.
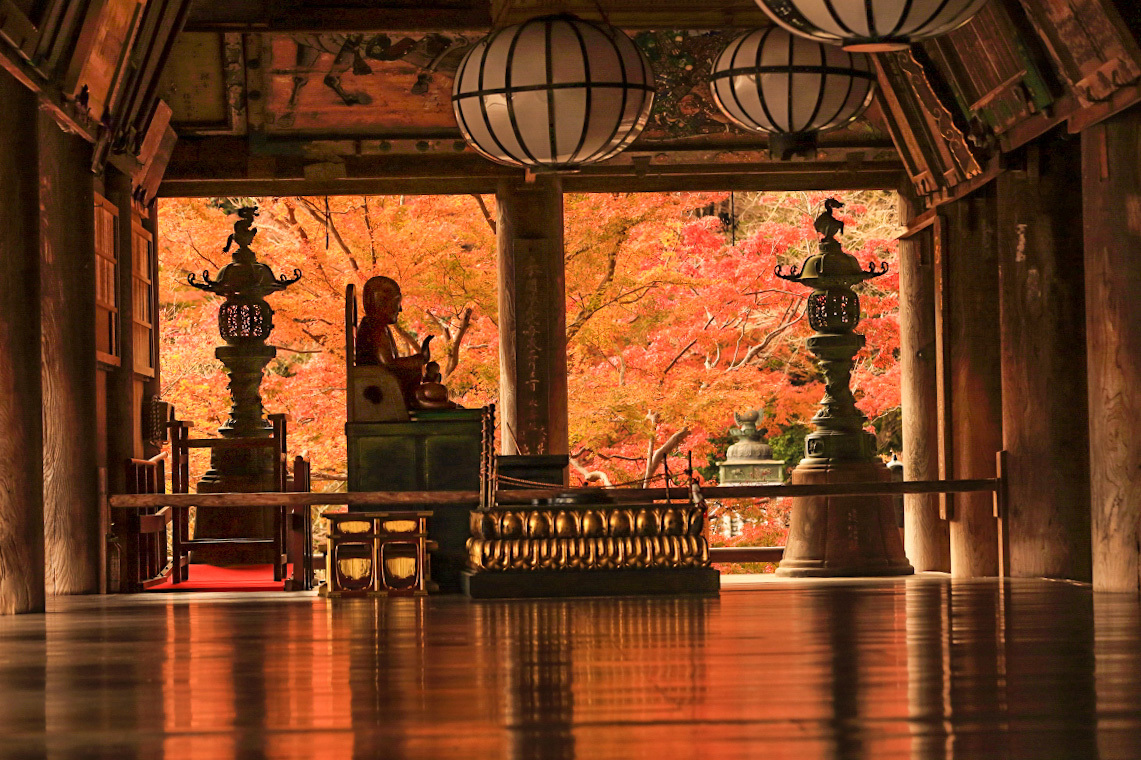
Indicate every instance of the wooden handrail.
{"type": "Point", "coordinates": [162, 456]}
{"type": "Point", "coordinates": [292, 499]}
{"type": "Point", "coordinates": [445, 498]}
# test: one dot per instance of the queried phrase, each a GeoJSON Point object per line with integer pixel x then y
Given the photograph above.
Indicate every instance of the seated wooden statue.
{"type": "Point", "coordinates": [375, 345]}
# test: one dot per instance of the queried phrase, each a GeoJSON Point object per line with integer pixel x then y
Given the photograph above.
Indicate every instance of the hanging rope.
{"type": "Point", "coordinates": [328, 222]}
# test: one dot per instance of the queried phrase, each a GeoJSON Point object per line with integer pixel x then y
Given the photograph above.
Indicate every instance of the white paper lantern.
{"type": "Point", "coordinates": [554, 92]}
{"type": "Point", "coordinates": [871, 26]}
{"type": "Point", "coordinates": [790, 87]}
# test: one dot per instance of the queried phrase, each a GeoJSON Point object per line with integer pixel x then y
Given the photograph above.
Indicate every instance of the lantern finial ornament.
{"type": "Point", "coordinates": [870, 26]}
{"type": "Point", "coordinates": [774, 82]}
{"type": "Point", "coordinates": [554, 92]}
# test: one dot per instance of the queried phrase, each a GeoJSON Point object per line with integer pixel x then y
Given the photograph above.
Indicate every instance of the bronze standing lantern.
{"type": "Point", "coordinates": [245, 321]}
{"type": "Point", "coordinates": [839, 535]}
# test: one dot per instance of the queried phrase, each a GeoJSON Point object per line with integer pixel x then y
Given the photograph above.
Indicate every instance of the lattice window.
{"type": "Point", "coordinates": [142, 290]}
{"type": "Point", "coordinates": [106, 281]}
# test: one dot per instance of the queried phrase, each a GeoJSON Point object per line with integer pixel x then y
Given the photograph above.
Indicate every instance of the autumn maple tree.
{"type": "Point", "coordinates": [675, 317]}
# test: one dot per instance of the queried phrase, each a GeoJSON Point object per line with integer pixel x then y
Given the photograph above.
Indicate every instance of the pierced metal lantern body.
{"type": "Point", "coordinates": [772, 81]}
{"type": "Point", "coordinates": [870, 26]}
{"type": "Point", "coordinates": [245, 319]}
{"type": "Point", "coordinates": [555, 92]}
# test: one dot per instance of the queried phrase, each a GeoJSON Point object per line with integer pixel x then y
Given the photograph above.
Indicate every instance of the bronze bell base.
{"type": "Point", "coordinates": [842, 536]}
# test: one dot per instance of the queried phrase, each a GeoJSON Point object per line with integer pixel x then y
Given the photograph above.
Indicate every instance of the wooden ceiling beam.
{"type": "Point", "coordinates": [455, 15]}
{"type": "Point", "coordinates": [241, 19]}
{"type": "Point", "coordinates": [222, 166]}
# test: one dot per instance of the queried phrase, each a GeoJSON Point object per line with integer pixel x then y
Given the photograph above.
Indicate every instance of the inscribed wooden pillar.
{"type": "Point", "coordinates": [926, 537]}
{"type": "Point", "coordinates": [532, 318]}
{"type": "Point", "coordinates": [972, 399]}
{"type": "Point", "coordinates": [1045, 428]}
{"type": "Point", "coordinates": [67, 277]}
{"type": "Point", "coordinates": [21, 432]}
{"type": "Point", "coordinates": [1111, 218]}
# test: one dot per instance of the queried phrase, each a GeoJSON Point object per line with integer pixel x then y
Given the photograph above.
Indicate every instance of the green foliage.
{"type": "Point", "coordinates": [788, 444]}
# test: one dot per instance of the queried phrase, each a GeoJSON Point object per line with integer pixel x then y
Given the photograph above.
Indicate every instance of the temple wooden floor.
{"type": "Point", "coordinates": [918, 668]}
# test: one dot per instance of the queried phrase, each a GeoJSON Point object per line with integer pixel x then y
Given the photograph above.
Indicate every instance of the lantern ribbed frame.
{"type": "Point", "coordinates": [554, 92]}
{"type": "Point", "coordinates": [870, 26]}
{"type": "Point", "coordinates": [771, 81]}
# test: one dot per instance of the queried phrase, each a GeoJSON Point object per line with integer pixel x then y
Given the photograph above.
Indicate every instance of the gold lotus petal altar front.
{"type": "Point", "coordinates": [588, 540]}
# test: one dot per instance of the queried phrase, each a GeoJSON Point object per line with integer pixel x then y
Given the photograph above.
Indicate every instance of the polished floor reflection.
{"type": "Point", "coordinates": [916, 668]}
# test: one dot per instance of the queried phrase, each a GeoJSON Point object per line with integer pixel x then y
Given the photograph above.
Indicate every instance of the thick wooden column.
{"type": "Point", "coordinates": [1045, 428]}
{"type": "Point", "coordinates": [532, 318]}
{"type": "Point", "coordinates": [926, 537]}
{"type": "Point", "coordinates": [21, 432]}
{"type": "Point", "coordinates": [967, 257]}
{"type": "Point", "coordinates": [1111, 218]}
{"type": "Point", "coordinates": [67, 277]}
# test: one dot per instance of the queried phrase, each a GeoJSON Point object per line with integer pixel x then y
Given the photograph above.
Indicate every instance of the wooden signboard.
{"type": "Point", "coordinates": [204, 83]}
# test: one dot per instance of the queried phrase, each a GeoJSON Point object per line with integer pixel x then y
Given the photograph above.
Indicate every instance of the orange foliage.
{"type": "Point", "coordinates": [670, 327]}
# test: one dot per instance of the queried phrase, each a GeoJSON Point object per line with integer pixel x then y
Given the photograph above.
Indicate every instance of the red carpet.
{"type": "Point", "coordinates": [235, 578]}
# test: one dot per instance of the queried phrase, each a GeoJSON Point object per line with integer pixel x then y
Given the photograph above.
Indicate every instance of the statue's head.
{"type": "Point", "coordinates": [382, 299]}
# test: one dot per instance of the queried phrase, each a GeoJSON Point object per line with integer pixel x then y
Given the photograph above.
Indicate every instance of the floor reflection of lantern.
{"type": "Point", "coordinates": [839, 535]}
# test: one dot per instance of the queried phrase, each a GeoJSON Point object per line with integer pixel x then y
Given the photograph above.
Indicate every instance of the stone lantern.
{"type": "Point", "coordinates": [749, 461]}
{"type": "Point", "coordinates": [839, 535]}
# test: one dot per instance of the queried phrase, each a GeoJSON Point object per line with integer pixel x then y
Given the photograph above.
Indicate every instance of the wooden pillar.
{"type": "Point", "coordinates": [532, 318]}
{"type": "Point", "coordinates": [967, 257]}
{"type": "Point", "coordinates": [1111, 218]}
{"type": "Point", "coordinates": [21, 433]}
{"type": "Point", "coordinates": [67, 276]}
{"type": "Point", "coordinates": [926, 537]}
{"type": "Point", "coordinates": [1045, 428]}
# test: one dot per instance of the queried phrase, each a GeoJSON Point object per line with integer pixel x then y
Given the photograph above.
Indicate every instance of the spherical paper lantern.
{"type": "Point", "coordinates": [870, 26]}
{"type": "Point", "coordinates": [554, 92]}
{"type": "Point", "coordinates": [790, 87]}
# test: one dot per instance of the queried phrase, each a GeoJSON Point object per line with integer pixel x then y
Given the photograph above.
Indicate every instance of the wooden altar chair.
{"type": "Point", "coordinates": [182, 544]}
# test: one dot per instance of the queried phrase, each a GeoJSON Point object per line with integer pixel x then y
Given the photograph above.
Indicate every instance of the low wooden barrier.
{"type": "Point", "coordinates": [524, 496]}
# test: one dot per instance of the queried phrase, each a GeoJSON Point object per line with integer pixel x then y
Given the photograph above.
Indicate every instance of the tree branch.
{"type": "Point", "coordinates": [658, 455]}
{"type": "Point", "coordinates": [681, 353]}
{"type": "Point", "coordinates": [590, 476]}
{"type": "Point", "coordinates": [486, 213]}
{"type": "Point", "coordinates": [327, 222]}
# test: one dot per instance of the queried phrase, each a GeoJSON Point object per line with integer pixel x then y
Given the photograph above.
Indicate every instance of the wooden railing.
{"type": "Point", "coordinates": [142, 534]}
{"type": "Point", "coordinates": [524, 496]}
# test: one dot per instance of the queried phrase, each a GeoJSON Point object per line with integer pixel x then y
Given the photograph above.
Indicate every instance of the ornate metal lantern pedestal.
{"type": "Point", "coordinates": [839, 535]}
{"type": "Point", "coordinates": [245, 321]}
